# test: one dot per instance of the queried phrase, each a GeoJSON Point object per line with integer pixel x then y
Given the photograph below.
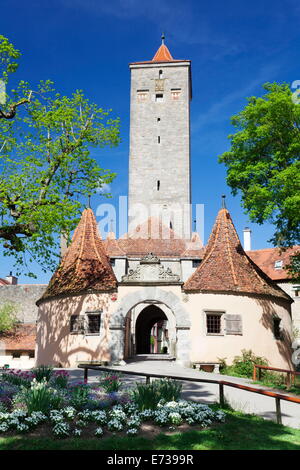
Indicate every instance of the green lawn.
{"type": "Point", "coordinates": [240, 431]}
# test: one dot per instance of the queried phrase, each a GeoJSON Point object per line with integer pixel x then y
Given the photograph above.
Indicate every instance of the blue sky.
{"type": "Point", "coordinates": [234, 46]}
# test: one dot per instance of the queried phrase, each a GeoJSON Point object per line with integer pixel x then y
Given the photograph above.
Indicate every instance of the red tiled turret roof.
{"type": "Point", "coordinates": [227, 268]}
{"type": "Point", "coordinates": [85, 265]}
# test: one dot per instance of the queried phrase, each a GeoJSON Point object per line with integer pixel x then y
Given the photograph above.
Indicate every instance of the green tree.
{"type": "Point", "coordinates": [8, 317]}
{"type": "Point", "coordinates": [46, 164]}
{"type": "Point", "coordinates": [263, 163]}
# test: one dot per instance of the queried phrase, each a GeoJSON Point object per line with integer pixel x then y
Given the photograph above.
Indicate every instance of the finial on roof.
{"type": "Point", "coordinates": [89, 201]}
{"type": "Point", "coordinates": [163, 38]}
{"type": "Point", "coordinates": [223, 201]}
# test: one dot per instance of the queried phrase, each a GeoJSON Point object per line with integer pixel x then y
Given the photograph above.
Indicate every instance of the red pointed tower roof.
{"type": "Point", "coordinates": [85, 266]}
{"type": "Point", "coordinates": [227, 268]}
{"type": "Point", "coordinates": [162, 55]}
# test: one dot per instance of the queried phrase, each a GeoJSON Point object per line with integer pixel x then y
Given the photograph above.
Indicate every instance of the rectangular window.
{"type": "Point", "coordinates": [16, 355]}
{"type": "Point", "coordinates": [158, 139]}
{"type": "Point", "coordinates": [94, 323]}
{"type": "Point", "coordinates": [142, 95]}
{"type": "Point", "coordinates": [175, 94]}
{"type": "Point", "coordinates": [159, 97]}
{"type": "Point", "coordinates": [213, 323]}
{"type": "Point", "coordinates": [278, 264]}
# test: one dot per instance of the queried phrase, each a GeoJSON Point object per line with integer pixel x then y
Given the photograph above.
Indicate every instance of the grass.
{"type": "Point", "coordinates": [239, 432]}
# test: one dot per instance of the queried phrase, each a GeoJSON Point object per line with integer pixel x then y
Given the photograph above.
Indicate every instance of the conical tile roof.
{"type": "Point", "coordinates": [85, 265]}
{"type": "Point", "coordinates": [163, 55]}
{"type": "Point", "coordinates": [227, 268]}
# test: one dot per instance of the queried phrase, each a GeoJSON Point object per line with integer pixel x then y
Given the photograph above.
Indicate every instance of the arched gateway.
{"type": "Point", "coordinates": [146, 299]}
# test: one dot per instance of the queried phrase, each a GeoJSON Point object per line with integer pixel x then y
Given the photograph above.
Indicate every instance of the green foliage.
{"type": "Point", "coordinates": [46, 168]}
{"type": "Point", "coordinates": [40, 397]}
{"type": "Point", "coordinates": [8, 316]}
{"type": "Point", "coordinates": [263, 161]}
{"type": "Point", "coordinates": [8, 58]}
{"type": "Point", "coordinates": [147, 396]}
{"type": "Point", "coordinates": [242, 366]}
{"type": "Point", "coordinates": [79, 396]}
{"type": "Point", "coordinates": [293, 267]}
{"type": "Point", "coordinates": [43, 372]}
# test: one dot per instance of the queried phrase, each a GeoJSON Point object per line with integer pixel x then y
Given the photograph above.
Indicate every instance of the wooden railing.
{"type": "Point", "coordinates": [290, 377]}
{"type": "Point", "coordinates": [221, 383]}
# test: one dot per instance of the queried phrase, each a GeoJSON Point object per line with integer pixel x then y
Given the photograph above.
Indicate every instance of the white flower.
{"type": "Point", "coordinates": [99, 432]}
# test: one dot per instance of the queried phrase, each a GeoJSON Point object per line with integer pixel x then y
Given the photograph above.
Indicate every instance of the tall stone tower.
{"type": "Point", "coordinates": [159, 161]}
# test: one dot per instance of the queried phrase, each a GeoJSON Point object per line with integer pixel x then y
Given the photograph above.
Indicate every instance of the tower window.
{"type": "Point", "coordinates": [142, 95]}
{"type": "Point", "coordinates": [160, 73]}
{"type": "Point", "coordinates": [159, 97]}
{"type": "Point", "coordinates": [175, 94]}
{"type": "Point", "coordinates": [158, 139]}
{"type": "Point", "coordinates": [158, 119]}
{"type": "Point", "coordinates": [158, 185]}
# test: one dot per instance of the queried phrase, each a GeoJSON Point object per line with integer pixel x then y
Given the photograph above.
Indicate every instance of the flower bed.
{"type": "Point", "coordinates": [52, 405]}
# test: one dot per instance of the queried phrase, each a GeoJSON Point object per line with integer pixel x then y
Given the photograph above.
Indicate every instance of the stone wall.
{"type": "Point", "coordinates": [25, 297]}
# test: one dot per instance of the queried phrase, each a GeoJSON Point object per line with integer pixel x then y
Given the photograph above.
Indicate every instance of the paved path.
{"type": "Point", "coordinates": [209, 393]}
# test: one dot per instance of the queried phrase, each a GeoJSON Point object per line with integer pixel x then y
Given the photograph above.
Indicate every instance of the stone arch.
{"type": "Point", "coordinates": [155, 294]}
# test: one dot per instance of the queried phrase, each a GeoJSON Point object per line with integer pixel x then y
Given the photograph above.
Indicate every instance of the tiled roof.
{"type": "Point", "coordinates": [227, 268]}
{"type": "Point", "coordinates": [22, 338]}
{"type": "Point", "coordinates": [267, 258]}
{"type": "Point", "coordinates": [3, 282]}
{"type": "Point", "coordinates": [155, 237]}
{"type": "Point", "coordinates": [85, 265]}
{"type": "Point", "coordinates": [162, 55]}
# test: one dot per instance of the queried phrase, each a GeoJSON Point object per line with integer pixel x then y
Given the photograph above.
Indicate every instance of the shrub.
{"type": "Point", "coordinates": [8, 317]}
{"type": "Point", "coordinates": [243, 365]}
{"type": "Point", "coordinates": [43, 372]}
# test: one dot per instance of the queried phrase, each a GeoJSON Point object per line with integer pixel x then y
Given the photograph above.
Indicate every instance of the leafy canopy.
{"type": "Point", "coordinates": [263, 162]}
{"type": "Point", "coordinates": [46, 165]}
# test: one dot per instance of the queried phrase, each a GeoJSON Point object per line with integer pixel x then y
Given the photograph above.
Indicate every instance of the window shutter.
{"type": "Point", "coordinates": [233, 324]}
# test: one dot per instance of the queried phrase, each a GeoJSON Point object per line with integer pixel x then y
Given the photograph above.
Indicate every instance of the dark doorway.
{"type": "Point", "coordinates": [149, 317]}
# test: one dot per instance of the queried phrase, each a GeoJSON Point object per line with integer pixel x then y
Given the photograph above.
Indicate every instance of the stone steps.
{"type": "Point", "coordinates": [151, 357]}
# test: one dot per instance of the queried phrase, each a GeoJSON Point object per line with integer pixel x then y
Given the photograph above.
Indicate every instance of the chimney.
{"type": "Point", "coordinates": [12, 279]}
{"type": "Point", "coordinates": [247, 238]}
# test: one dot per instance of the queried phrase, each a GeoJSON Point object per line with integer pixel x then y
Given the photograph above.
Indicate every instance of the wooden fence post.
{"type": "Point", "coordinates": [148, 380]}
{"type": "Point", "coordinates": [278, 410]}
{"type": "Point", "coordinates": [254, 373]}
{"type": "Point", "coordinates": [221, 394]}
{"type": "Point", "coordinates": [85, 375]}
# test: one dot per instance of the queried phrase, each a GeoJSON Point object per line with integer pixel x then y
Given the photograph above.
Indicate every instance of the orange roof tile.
{"type": "Point", "coordinates": [21, 338]}
{"type": "Point", "coordinates": [162, 55]}
{"type": "Point", "coordinates": [267, 257]}
{"type": "Point", "coordinates": [85, 265]}
{"type": "Point", "coordinates": [227, 268]}
{"type": "Point", "coordinates": [3, 282]}
{"type": "Point", "coordinates": [155, 237]}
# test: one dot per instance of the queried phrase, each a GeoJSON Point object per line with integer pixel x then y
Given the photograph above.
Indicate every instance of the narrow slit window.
{"type": "Point", "coordinates": [158, 139]}
{"type": "Point", "coordinates": [158, 185]}
{"type": "Point", "coordinates": [160, 73]}
{"type": "Point", "coordinates": [159, 97]}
